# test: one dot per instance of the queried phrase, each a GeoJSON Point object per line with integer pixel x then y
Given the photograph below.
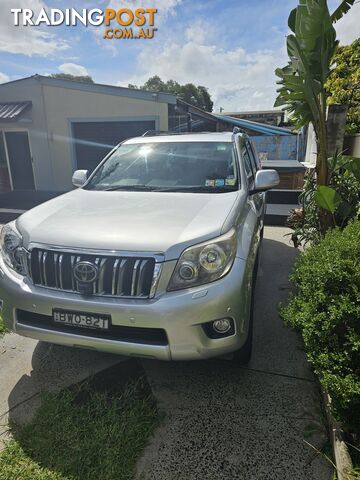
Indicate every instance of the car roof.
{"type": "Point", "coordinates": [184, 137]}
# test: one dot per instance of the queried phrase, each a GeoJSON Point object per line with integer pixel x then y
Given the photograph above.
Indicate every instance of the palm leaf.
{"type": "Point", "coordinates": [343, 8]}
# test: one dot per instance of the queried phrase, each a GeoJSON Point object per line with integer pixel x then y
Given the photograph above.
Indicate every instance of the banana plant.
{"type": "Point", "coordinates": [310, 47]}
{"type": "Point", "coordinates": [328, 197]}
{"type": "Point", "coordinates": [343, 8]}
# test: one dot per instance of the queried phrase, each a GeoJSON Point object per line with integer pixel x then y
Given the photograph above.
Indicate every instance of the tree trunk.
{"type": "Point", "coordinates": [325, 217]}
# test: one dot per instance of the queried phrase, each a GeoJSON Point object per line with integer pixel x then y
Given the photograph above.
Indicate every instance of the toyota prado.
{"type": "Point", "coordinates": [154, 255]}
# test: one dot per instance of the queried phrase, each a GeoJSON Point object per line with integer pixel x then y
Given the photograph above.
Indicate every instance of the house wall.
{"type": "Point", "coordinates": [35, 123]}
{"type": "Point", "coordinates": [65, 106]}
{"type": "Point", "coordinates": [50, 123]}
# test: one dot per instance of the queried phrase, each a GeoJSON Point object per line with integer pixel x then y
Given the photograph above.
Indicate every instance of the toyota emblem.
{"type": "Point", "coordinates": [85, 272]}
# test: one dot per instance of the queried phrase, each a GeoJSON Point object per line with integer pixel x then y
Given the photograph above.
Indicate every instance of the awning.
{"type": "Point", "coordinates": [261, 128]}
{"type": "Point", "coordinates": [12, 111]}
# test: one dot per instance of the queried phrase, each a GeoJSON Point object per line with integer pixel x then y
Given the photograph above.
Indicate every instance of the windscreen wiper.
{"type": "Point", "coordinates": [200, 189]}
{"type": "Point", "coordinates": [130, 187]}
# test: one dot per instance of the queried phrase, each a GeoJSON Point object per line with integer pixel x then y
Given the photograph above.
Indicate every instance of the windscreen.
{"type": "Point", "coordinates": [169, 166]}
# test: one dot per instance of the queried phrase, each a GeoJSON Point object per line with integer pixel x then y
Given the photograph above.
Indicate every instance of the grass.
{"type": "Point", "coordinates": [83, 434]}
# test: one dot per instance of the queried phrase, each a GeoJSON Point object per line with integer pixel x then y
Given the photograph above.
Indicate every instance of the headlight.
{"type": "Point", "coordinates": [205, 262]}
{"type": "Point", "coordinates": [11, 247]}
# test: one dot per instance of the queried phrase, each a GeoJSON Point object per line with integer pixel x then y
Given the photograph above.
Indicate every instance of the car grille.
{"type": "Point", "coordinates": [117, 276]}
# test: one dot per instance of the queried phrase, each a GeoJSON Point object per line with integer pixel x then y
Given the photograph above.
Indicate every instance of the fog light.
{"type": "Point", "coordinates": [222, 326]}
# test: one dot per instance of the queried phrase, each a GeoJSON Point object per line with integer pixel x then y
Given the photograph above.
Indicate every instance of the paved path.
{"type": "Point", "coordinates": [224, 422]}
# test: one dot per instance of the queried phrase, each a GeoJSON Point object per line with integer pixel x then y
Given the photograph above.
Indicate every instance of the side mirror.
{"type": "Point", "coordinates": [79, 177]}
{"type": "Point", "coordinates": [265, 180]}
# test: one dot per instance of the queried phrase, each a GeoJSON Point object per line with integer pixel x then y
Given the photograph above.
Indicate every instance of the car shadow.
{"type": "Point", "coordinates": [46, 422]}
{"type": "Point", "coordinates": [54, 367]}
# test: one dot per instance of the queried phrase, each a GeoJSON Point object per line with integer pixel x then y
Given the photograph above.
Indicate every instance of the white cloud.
{"type": "Point", "coordinates": [348, 28]}
{"type": "Point", "coordinates": [198, 31]}
{"type": "Point", "coordinates": [73, 69]}
{"type": "Point", "coordinates": [27, 40]}
{"type": "Point", "coordinates": [236, 79]}
{"type": "Point", "coordinates": [4, 78]}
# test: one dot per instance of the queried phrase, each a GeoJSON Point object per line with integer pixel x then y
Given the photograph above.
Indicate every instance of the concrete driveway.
{"type": "Point", "coordinates": [228, 422]}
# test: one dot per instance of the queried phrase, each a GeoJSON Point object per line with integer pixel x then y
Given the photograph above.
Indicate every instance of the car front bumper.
{"type": "Point", "coordinates": [180, 314]}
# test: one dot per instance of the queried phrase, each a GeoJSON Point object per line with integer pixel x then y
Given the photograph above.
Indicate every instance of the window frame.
{"type": "Point", "coordinates": [250, 176]}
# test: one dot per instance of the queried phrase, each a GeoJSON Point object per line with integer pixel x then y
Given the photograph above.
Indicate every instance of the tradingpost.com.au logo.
{"type": "Point", "coordinates": [124, 23]}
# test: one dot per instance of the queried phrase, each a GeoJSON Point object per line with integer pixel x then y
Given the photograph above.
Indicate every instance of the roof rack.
{"type": "Point", "coordinates": [155, 133]}
{"type": "Point", "coordinates": [237, 130]}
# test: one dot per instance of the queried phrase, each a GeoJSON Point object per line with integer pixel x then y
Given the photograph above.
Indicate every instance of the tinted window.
{"type": "Point", "coordinates": [248, 166]}
{"type": "Point", "coordinates": [252, 157]}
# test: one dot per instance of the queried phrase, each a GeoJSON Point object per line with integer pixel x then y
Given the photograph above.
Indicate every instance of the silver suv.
{"type": "Point", "coordinates": [154, 255]}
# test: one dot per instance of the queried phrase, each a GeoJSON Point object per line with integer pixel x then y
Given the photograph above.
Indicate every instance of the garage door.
{"type": "Point", "coordinates": [93, 140]}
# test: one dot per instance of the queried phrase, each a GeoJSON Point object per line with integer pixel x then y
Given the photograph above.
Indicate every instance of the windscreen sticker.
{"type": "Point", "coordinates": [219, 182]}
{"type": "Point", "coordinates": [230, 181]}
{"type": "Point", "coordinates": [209, 182]}
{"type": "Point", "coordinates": [216, 182]}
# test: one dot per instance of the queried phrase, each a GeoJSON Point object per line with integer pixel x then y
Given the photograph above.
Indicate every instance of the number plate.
{"type": "Point", "coordinates": [82, 319]}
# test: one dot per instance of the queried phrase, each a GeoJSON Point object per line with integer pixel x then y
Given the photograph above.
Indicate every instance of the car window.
{"type": "Point", "coordinates": [203, 166]}
{"type": "Point", "coordinates": [248, 166]}
{"type": "Point", "coordinates": [250, 150]}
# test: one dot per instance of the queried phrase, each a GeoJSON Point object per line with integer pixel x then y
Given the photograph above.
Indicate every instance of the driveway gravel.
{"type": "Point", "coordinates": [225, 422]}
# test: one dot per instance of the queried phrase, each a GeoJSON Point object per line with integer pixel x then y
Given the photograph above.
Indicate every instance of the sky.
{"type": "Point", "coordinates": [230, 46]}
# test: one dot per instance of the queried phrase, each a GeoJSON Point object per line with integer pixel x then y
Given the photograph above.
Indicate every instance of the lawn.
{"type": "Point", "coordinates": [85, 433]}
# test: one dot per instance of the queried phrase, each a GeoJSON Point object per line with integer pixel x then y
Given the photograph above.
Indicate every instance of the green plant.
{"type": "Point", "coordinates": [326, 309]}
{"type": "Point", "coordinates": [311, 47]}
{"type": "Point", "coordinates": [343, 84]}
{"type": "Point", "coordinates": [341, 198]}
{"type": "Point", "coordinates": [304, 221]}
{"type": "Point", "coordinates": [190, 93]}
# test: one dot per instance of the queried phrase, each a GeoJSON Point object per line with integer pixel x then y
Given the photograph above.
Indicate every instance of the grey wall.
{"type": "Point", "coordinates": [35, 123]}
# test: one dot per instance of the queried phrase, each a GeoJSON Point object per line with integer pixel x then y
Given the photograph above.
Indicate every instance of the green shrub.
{"type": "Point", "coordinates": [326, 308]}
{"type": "Point", "coordinates": [341, 197]}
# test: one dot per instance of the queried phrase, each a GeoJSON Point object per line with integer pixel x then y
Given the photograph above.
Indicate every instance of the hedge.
{"type": "Point", "coordinates": [326, 308]}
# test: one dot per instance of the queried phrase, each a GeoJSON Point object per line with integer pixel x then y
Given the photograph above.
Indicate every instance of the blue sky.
{"type": "Point", "coordinates": [232, 47]}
